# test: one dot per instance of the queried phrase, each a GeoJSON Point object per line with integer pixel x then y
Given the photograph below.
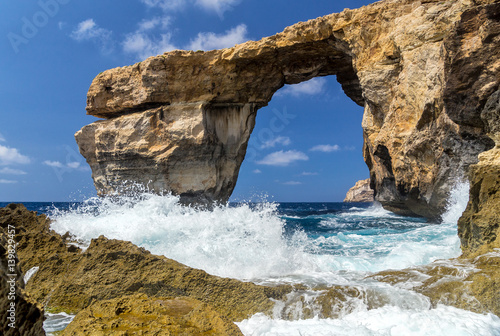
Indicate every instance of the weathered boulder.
{"type": "Point", "coordinates": [140, 315]}
{"type": "Point", "coordinates": [180, 122]}
{"type": "Point", "coordinates": [70, 279]}
{"type": "Point", "coordinates": [19, 314]}
{"type": "Point", "coordinates": [360, 192]}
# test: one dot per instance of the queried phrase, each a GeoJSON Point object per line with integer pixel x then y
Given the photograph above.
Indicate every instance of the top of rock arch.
{"type": "Point", "coordinates": [339, 44]}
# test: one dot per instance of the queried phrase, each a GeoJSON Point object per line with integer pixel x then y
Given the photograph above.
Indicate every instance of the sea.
{"type": "Point", "coordinates": [312, 244]}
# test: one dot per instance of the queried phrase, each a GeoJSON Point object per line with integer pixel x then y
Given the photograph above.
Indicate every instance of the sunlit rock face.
{"type": "Point", "coordinates": [180, 122]}
{"type": "Point", "coordinates": [360, 192]}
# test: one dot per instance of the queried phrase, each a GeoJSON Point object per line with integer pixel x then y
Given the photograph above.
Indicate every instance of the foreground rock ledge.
{"type": "Point", "coordinates": [140, 315]}
{"type": "Point", "coordinates": [26, 318]}
{"type": "Point", "coordinates": [423, 70]}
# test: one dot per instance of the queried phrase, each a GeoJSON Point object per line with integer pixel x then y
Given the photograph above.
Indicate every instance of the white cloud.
{"type": "Point", "coordinates": [69, 165]}
{"type": "Point", "coordinates": [311, 87]}
{"type": "Point", "coordinates": [153, 23]}
{"type": "Point", "coordinates": [73, 165]}
{"type": "Point", "coordinates": [10, 171]}
{"type": "Point", "coordinates": [7, 181]}
{"type": "Point", "coordinates": [257, 171]}
{"type": "Point", "coordinates": [309, 174]}
{"type": "Point", "coordinates": [1, 137]}
{"type": "Point", "coordinates": [325, 148]}
{"type": "Point", "coordinates": [165, 4]}
{"type": "Point", "coordinates": [292, 183]}
{"type": "Point", "coordinates": [218, 6]}
{"type": "Point", "coordinates": [88, 30]}
{"type": "Point", "coordinates": [282, 158]}
{"type": "Point", "coordinates": [210, 41]}
{"type": "Point", "coordinates": [144, 46]}
{"type": "Point", "coordinates": [285, 141]}
{"type": "Point", "coordinates": [11, 156]}
{"type": "Point", "coordinates": [55, 164]}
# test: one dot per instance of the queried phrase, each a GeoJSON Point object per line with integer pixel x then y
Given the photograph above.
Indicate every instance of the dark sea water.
{"type": "Point", "coordinates": [315, 244]}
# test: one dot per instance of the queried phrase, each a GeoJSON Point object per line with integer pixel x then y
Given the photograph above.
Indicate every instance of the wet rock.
{"type": "Point", "coordinates": [467, 283]}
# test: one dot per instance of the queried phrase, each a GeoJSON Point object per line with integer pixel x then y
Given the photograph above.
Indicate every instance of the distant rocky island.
{"type": "Point", "coordinates": [428, 76]}
{"type": "Point", "coordinates": [360, 192]}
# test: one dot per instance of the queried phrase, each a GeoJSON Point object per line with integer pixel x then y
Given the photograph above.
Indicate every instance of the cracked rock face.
{"type": "Point", "coordinates": [180, 122]}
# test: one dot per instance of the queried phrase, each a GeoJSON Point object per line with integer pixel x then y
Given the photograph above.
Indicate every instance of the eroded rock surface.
{"type": "Point", "coordinates": [360, 192]}
{"type": "Point", "coordinates": [180, 122]}
{"type": "Point", "coordinates": [140, 315]}
{"type": "Point", "coordinates": [19, 313]}
{"type": "Point", "coordinates": [466, 283]}
{"type": "Point", "coordinates": [479, 226]}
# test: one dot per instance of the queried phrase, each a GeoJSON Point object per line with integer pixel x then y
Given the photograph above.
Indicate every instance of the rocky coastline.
{"type": "Point", "coordinates": [114, 285]}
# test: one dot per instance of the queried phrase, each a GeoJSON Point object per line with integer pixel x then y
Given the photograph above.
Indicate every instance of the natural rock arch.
{"type": "Point", "coordinates": [181, 121]}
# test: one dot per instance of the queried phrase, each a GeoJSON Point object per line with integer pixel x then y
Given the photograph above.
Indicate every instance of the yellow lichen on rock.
{"type": "Point", "coordinates": [142, 315]}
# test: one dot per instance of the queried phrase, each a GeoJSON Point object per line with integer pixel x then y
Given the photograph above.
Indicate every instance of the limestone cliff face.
{"type": "Point", "coordinates": [360, 192]}
{"type": "Point", "coordinates": [181, 121]}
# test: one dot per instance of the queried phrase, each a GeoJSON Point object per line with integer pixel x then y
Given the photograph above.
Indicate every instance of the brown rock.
{"type": "Point", "coordinates": [19, 314]}
{"type": "Point", "coordinates": [180, 122]}
{"type": "Point", "coordinates": [479, 226]}
{"type": "Point", "coordinates": [140, 315]}
{"type": "Point", "coordinates": [360, 192]}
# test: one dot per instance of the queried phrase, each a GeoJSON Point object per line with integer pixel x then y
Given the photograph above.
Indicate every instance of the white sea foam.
{"type": "Point", "coordinates": [457, 202]}
{"type": "Point", "coordinates": [29, 274]}
{"type": "Point", "coordinates": [248, 243]}
{"type": "Point", "coordinates": [375, 210]}
{"type": "Point", "coordinates": [238, 242]}
{"type": "Point", "coordinates": [56, 322]}
{"type": "Point", "coordinates": [385, 321]}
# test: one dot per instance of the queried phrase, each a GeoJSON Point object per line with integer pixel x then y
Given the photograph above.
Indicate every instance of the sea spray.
{"type": "Point", "coordinates": [243, 241]}
{"type": "Point", "coordinates": [322, 246]}
{"type": "Point", "coordinates": [256, 242]}
{"type": "Point", "coordinates": [384, 321]}
{"type": "Point", "coordinates": [456, 203]}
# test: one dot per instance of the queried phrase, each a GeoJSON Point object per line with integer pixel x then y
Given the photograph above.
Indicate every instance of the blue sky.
{"type": "Point", "coordinates": [306, 146]}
